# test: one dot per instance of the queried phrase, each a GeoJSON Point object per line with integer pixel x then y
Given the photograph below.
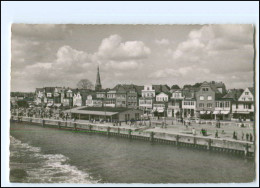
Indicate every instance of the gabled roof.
{"type": "Point", "coordinates": [233, 94]}
{"type": "Point", "coordinates": [251, 89]}
{"type": "Point", "coordinates": [49, 89]}
{"type": "Point", "coordinates": [161, 88]}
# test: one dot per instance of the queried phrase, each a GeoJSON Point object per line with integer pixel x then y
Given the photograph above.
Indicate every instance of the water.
{"type": "Point", "coordinates": [48, 155]}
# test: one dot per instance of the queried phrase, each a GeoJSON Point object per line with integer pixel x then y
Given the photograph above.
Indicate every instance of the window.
{"type": "Point", "coordinates": [236, 106]}
{"type": "Point", "coordinates": [201, 105]}
{"type": "Point", "coordinates": [227, 104]}
{"type": "Point", "coordinates": [246, 93]}
{"type": "Point", "coordinates": [209, 105]}
{"type": "Point", "coordinates": [201, 98]}
{"type": "Point", "coordinates": [217, 104]}
{"type": "Point", "coordinates": [209, 98]}
{"type": "Point", "coordinates": [205, 89]}
{"type": "Point", "coordinates": [249, 106]}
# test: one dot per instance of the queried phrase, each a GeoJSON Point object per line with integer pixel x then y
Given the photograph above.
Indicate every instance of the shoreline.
{"type": "Point", "coordinates": [242, 148]}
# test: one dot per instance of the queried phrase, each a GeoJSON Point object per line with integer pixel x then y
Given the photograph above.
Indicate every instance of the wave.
{"type": "Point", "coordinates": [44, 168]}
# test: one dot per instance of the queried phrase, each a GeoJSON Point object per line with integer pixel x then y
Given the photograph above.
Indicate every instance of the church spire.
{"type": "Point", "coordinates": [98, 85]}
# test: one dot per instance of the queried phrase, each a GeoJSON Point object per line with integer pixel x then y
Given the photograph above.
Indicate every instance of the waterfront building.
{"type": "Point", "coordinates": [93, 101]}
{"type": "Point", "coordinates": [243, 108]}
{"type": "Point", "coordinates": [205, 97]}
{"type": "Point", "coordinates": [106, 113]}
{"type": "Point", "coordinates": [49, 96]}
{"type": "Point", "coordinates": [175, 103]}
{"type": "Point", "coordinates": [77, 99]}
{"type": "Point", "coordinates": [39, 96]}
{"type": "Point", "coordinates": [67, 97]}
{"type": "Point", "coordinates": [110, 100]}
{"type": "Point", "coordinates": [57, 96]}
{"type": "Point", "coordinates": [189, 107]}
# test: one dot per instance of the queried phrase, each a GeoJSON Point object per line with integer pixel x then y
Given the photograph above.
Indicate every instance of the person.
{"type": "Point", "coordinates": [234, 135]}
{"type": "Point", "coordinates": [216, 134]}
{"type": "Point", "coordinates": [251, 137]}
{"type": "Point", "coordinates": [247, 136]}
{"type": "Point", "coordinates": [242, 135]}
{"type": "Point", "coordinates": [193, 131]}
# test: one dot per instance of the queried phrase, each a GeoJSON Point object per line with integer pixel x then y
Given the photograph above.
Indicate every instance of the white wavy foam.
{"type": "Point", "coordinates": [53, 169]}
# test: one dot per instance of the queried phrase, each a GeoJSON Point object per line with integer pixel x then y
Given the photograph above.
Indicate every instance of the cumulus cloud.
{"type": "Point", "coordinates": [114, 49]}
{"type": "Point", "coordinates": [53, 55]}
{"type": "Point", "coordinates": [219, 48]}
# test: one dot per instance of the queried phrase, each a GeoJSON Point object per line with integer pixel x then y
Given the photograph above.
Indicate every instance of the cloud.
{"type": "Point", "coordinates": [113, 48]}
{"type": "Point", "coordinates": [219, 48]}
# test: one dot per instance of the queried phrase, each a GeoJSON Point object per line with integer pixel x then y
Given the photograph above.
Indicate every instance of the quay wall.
{"type": "Point", "coordinates": [188, 140]}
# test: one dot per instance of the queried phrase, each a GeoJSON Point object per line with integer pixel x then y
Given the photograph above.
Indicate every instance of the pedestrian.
{"type": "Point", "coordinates": [251, 137]}
{"type": "Point", "coordinates": [193, 131]}
{"type": "Point", "coordinates": [242, 135]}
{"type": "Point", "coordinates": [234, 135]}
{"type": "Point", "coordinates": [247, 136]}
{"type": "Point", "coordinates": [216, 134]}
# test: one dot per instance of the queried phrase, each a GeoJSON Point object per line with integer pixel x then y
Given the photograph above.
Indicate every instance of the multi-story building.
{"type": "Point", "coordinates": [244, 107]}
{"type": "Point", "coordinates": [49, 95]}
{"type": "Point", "coordinates": [205, 97]}
{"type": "Point", "coordinates": [160, 104]}
{"type": "Point", "coordinates": [189, 107]}
{"type": "Point", "coordinates": [57, 96]}
{"type": "Point", "coordinates": [39, 96]}
{"type": "Point", "coordinates": [110, 100]}
{"type": "Point", "coordinates": [77, 99]}
{"type": "Point", "coordinates": [175, 104]}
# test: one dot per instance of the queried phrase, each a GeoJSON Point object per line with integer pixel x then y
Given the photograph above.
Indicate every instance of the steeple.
{"type": "Point", "coordinates": [98, 85]}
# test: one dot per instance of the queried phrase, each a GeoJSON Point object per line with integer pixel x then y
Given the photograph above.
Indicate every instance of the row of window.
{"type": "Point", "coordinates": [162, 99]}
{"type": "Point", "coordinates": [189, 103]}
{"type": "Point", "coordinates": [225, 104]}
{"type": "Point", "coordinates": [209, 105]}
{"type": "Point", "coordinates": [148, 95]}
{"type": "Point", "coordinates": [202, 98]}
{"type": "Point", "coordinates": [145, 102]}
{"type": "Point", "coordinates": [246, 106]}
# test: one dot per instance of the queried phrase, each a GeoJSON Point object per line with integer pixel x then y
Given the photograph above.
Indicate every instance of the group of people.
{"type": "Point", "coordinates": [249, 137]}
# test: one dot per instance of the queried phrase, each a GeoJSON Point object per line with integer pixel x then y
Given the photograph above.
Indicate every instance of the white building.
{"type": "Point", "coordinates": [77, 99]}
{"type": "Point", "coordinates": [189, 107]}
{"type": "Point", "coordinates": [148, 91]}
{"type": "Point", "coordinates": [244, 107]}
{"type": "Point", "coordinates": [162, 97]}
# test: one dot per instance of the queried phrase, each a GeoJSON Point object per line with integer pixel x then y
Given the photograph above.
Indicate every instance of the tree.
{"type": "Point", "coordinates": [85, 84]}
{"type": "Point", "coordinates": [175, 87]}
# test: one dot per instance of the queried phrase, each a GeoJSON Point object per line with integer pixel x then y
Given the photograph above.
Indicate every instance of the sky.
{"type": "Point", "coordinates": [45, 55]}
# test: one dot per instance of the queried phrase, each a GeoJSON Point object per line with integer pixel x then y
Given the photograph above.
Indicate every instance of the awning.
{"type": "Point", "coordinates": [224, 112]}
{"type": "Point", "coordinates": [58, 105]}
{"type": "Point", "coordinates": [216, 112]}
{"type": "Point", "coordinates": [202, 112]}
{"type": "Point", "coordinates": [242, 112]}
{"type": "Point", "coordinates": [208, 112]}
{"type": "Point", "coordinates": [160, 110]}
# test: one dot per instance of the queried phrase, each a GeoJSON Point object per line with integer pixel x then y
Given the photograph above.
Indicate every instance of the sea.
{"type": "Point", "coordinates": [50, 155]}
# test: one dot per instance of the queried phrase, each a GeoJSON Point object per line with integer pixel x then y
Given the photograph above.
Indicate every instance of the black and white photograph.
{"type": "Point", "coordinates": [132, 103]}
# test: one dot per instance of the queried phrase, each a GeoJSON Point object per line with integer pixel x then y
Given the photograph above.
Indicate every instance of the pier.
{"type": "Point", "coordinates": [243, 148]}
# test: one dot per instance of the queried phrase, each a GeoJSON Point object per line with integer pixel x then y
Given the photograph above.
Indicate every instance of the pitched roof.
{"type": "Point", "coordinates": [251, 89]}
{"type": "Point", "coordinates": [233, 94]}
{"type": "Point", "coordinates": [49, 89]}
{"type": "Point", "coordinates": [161, 88]}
